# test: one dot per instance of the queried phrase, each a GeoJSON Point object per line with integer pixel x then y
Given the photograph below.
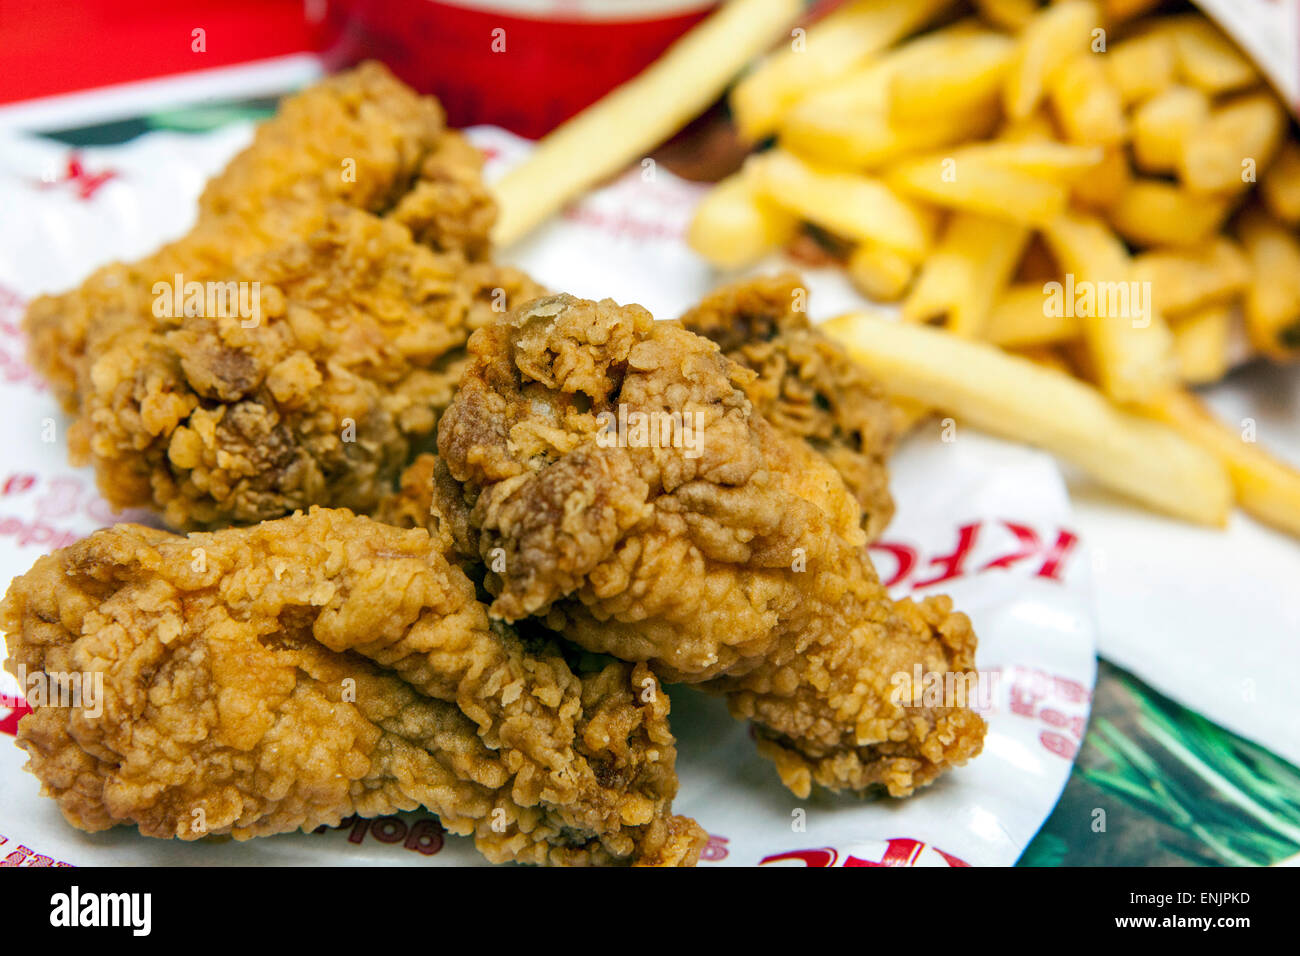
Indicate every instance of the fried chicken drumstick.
{"type": "Point", "coordinates": [734, 557]}
{"type": "Point", "coordinates": [289, 675]}
{"type": "Point", "coordinates": [358, 224]}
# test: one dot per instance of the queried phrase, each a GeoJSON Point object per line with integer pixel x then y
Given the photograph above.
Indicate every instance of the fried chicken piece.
{"type": "Point", "coordinates": [361, 334]}
{"type": "Point", "coordinates": [806, 385]}
{"type": "Point", "coordinates": [321, 401]}
{"type": "Point", "coordinates": [285, 676]}
{"type": "Point", "coordinates": [411, 505]}
{"type": "Point", "coordinates": [362, 138]}
{"type": "Point", "coordinates": [732, 556]}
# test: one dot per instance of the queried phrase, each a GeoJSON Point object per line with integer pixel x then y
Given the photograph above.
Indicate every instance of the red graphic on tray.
{"type": "Point", "coordinates": [14, 369]}
{"type": "Point", "coordinates": [424, 835]}
{"type": "Point", "coordinates": [899, 851]}
{"type": "Point", "coordinates": [716, 849]}
{"type": "Point", "coordinates": [1058, 704]}
{"type": "Point", "coordinates": [15, 854]}
{"type": "Point", "coordinates": [83, 182]}
{"type": "Point", "coordinates": [1001, 545]}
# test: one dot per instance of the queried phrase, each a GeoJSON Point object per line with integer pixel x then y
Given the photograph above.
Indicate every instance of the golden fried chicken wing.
{"type": "Point", "coordinates": [806, 384]}
{"type": "Point", "coordinates": [617, 474]}
{"type": "Point", "coordinates": [280, 677]}
{"type": "Point", "coordinates": [352, 235]}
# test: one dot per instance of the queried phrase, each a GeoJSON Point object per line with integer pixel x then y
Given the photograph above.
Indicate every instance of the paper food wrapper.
{"type": "Point", "coordinates": [985, 521]}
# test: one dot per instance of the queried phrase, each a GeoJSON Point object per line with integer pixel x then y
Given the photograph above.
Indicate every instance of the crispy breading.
{"type": "Point", "coordinates": [359, 224]}
{"type": "Point", "coordinates": [285, 676]}
{"type": "Point", "coordinates": [806, 384]}
{"type": "Point", "coordinates": [738, 562]}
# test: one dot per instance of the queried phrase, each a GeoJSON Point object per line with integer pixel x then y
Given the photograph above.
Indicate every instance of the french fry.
{"type": "Point", "coordinates": [965, 274]}
{"type": "Point", "coordinates": [1280, 186]}
{"type": "Point", "coordinates": [848, 123]}
{"type": "Point", "coordinates": [1046, 356]}
{"type": "Point", "coordinates": [969, 78]}
{"type": "Point", "coordinates": [1163, 125]}
{"type": "Point", "coordinates": [1117, 11]}
{"type": "Point", "coordinates": [1057, 162]}
{"type": "Point", "coordinates": [870, 140]}
{"type": "Point", "coordinates": [735, 225]}
{"type": "Point", "coordinates": [1238, 138]}
{"type": "Point", "coordinates": [1206, 58]}
{"type": "Point", "coordinates": [829, 49]}
{"type": "Point", "coordinates": [879, 273]}
{"type": "Point", "coordinates": [1183, 280]}
{"type": "Point", "coordinates": [1037, 127]}
{"type": "Point", "coordinates": [849, 205]}
{"type": "Point", "coordinates": [1105, 183]}
{"type": "Point", "coordinates": [1264, 486]}
{"type": "Point", "coordinates": [1051, 38]}
{"type": "Point", "coordinates": [1085, 103]}
{"type": "Point", "coordinates": [979, 186]}
{"type": "Point", "coordinates": [640, 114]}
{"type": "Point", "coordinates": [1013, 397]}
{"type": "Point", "coordinates": [1129, 341]}
{"type": "Point", "coordinates": [1019, 319]}
{"type": "Point", "coordinates": [1201, 344]}
{"type": "Point", "coordinates": [1013, 15]}
{"type": "Point", "coordinates": [1142, 66]}
{"type": "Point", "coordinates": [1273, 298]}
{"type": "Point", "coordinates": [1155, 213]}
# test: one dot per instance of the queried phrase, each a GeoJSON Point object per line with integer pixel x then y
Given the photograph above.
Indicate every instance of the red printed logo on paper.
{"type": "Point", "coordinates": [899, 851]}
{"type": "Point", "coordinates": [83, 182]}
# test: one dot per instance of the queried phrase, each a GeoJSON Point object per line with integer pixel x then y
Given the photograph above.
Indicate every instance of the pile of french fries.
{"type": "Point", "coordinates": [1096, 206]}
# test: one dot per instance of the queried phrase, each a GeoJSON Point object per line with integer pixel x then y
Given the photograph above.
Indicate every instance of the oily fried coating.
{"type": "Point", "coordinates": [320, 400]}
{"type": "Point", "coordinates": [284, 676]}
{"type": "Point", "coordinates": [806, 385]}
{"type": "Point", "coordinates": [732, 557]}
{"type": "Point", "coordinates": [361, 138]}
{"type": "Point", "coordinates": [356, 225]}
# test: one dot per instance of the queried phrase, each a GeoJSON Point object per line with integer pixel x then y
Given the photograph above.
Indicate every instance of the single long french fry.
{"type": "Point", "coordinates": [879, 273]}
{"type": "Point", "coordinates": [843, 40]}
{"type": "Point", "coordinates": [1057, 162]}
{"type": "Point", "coordinates": [639, 115]}
{"type": "Point", "coordinates": [1152, 212]}
{"type": "Point", "coordinates": [1201, 342]}
{"type": "Point", "coordinates": [849, 122]}
{"type": "Point", "coordinates": [849, 205]}
{"type": "Point", "coordinates": [1013, 397]}
{"type": "Point", "coordinates": [1128, 339]}
{"type": "Point", "coordinates": [1087, 105]}
{"type": "Point", "coordinates": [969, 77]}
{"type": "Point", "coordinates": [1207, 59]}
{"type": "Point", "coordinates": [1280, 187]}
{"type": "Point", "coordinates": [1142, 66]}
{"type": "Point", "coordinates": [1273, 298]}
{"type": "Point", "coordinates": [979, 186]}
{"type": "Point", "coordinates": [868, 140]}
{"type": "Point", "coordinates": [1044, 45]}
{"type": "Point", "coordinates": [1183, 280]}
{"type": "Point", "coordinates": [965, 274]}
{"type": "Point", "coordinates": [1163, 124]}
{"type": "Point", "coordinates": [1238, 138]}
{"type": "Point", "coordinates": [1013, 15]}
{"type": "Point", "coordinates": [1264, 486]}
{"type": "Point", "coordinates": [736, 225]}
{"type": "Point", "coordinates": [1019, 319]}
